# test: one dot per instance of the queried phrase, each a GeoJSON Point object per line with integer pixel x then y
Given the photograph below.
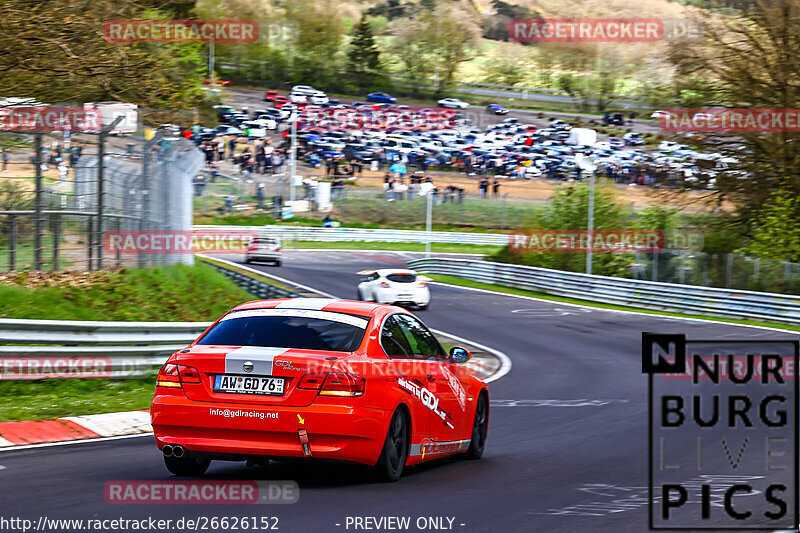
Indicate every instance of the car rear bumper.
{"type": "Point", "coordinates": [263, 256]}
{"type": "Point", "coordinates": [335, 430]}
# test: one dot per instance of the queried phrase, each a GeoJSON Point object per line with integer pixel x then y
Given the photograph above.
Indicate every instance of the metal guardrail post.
{"type": "Point", "coordinates": [90, 241]}
{"type": "Point", "coordinates": [56, 226]}
{"type": "Point", "coordinates": [38, 222]}
{"type": "Point", "coordinates": [12, 243]}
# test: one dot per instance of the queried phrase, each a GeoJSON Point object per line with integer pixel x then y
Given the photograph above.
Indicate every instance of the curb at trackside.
{"type": "Point", "coordinates": [73, 429]}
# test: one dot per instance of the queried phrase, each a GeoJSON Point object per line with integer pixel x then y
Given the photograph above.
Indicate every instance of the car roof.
{"type": "Point", "coordinates": [350, 307]}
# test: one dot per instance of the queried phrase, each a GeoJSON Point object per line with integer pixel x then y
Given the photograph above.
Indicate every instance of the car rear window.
{"type": "Point", "coordinates": [288, 328]}
{"type": "Point", "coordinates": [402, 278]}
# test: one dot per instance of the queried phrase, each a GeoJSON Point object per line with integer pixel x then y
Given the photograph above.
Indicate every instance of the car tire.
{"type": "Point", "coordinates": [186, 466]}
{"type": "Point", "coordinates": [360, 297]}
{"type": "Point", "coordinates": [247, 260]}
{"type": "Point", "coordinates": [277, 262]}
{"type": "Point", "coordinates": [393, 457]}
{"type": "Point", "coordinates": [423, 307]}
{"type": "Point", "coordinates": [480, 426]}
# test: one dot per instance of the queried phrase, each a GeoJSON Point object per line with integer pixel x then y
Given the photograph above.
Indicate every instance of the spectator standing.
{"type": "Point", "coordinates": [260, 195]}
{"type": "Point", "coordinates": [232, 147]}
{"type": "Point", "coordinates": [496, 188]}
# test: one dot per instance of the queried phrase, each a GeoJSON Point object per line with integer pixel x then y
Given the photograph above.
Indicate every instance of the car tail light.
{"type": "Point", "coordinates": [168, 376]}
{"type": "Point", "coordinates": [174, 375]}
{"type": "Point", "coordinates": [422, 284]}
{"type": "Point", "coordinates": [343, 384]}
{"type": "Point", "coordinates": [384, 284]}
{"type": "Point", "coordinates": [278, 249]}
{"type": "Point", "coordinates": [312, 381]}
{"type": "Point", "coordinates": [188, 374]}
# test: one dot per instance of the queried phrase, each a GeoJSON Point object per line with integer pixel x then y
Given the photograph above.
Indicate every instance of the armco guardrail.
{"type": "Point", "coordinates": [308, 233]}
{"type": "Point", "coordinates": [101, 349]}
{"type": "Point", "coordinates": [688, 299]}
{"type": "Point", "coordinates": [28, 348]}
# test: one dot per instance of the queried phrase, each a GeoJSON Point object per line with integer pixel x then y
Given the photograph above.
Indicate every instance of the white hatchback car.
{"type": "Point", "coordinates": [395, 286]}
{"type": "Point", "coordinates": [264, 249]}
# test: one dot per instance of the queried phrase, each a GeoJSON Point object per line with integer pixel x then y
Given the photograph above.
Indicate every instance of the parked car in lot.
{"type": "Point", "coordinates": [381, 98]}
{"type": "Point", "coordinates": [659, 114]}
{"type": "Point", "coordinates": [227, 129]}
{"type": "Point", "coordinates": [394, 286]}
{"type": "Point", "coordinates": [616, 143]}
{"type": "Point", "coordinates": [269, 96]}
{"type": "Point", "coordinates": [280, 101]}
{"type": "Point", "coordinates": [299, 98]}
{"type": "Point", "coordinates": [633, 139]}
{"type": "Point", "coordinates": [496, 109]}
{"type": "Point", "coordinates": [264, 249]}
{"type": "Point", "coordinates": [318, 98]}
{"type": "Point", "coordinates": [453, 103]}
{"type": "Point", "coordinates": [304, 89]}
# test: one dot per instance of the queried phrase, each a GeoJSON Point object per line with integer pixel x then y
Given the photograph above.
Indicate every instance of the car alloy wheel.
{"type": "Point", "coordinates": [395, 449]}
{"type": "Point", "coordinates": [479, 429]}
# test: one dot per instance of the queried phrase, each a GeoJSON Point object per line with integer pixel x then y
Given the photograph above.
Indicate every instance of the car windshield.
{"type": "Point", "coordinates": [402, 278]}
{"type": "Point", "coordinates": [288, 328]}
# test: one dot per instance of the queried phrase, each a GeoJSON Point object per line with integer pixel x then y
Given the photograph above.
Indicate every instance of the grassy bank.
{"type": "Point", "coordinates": [53, 398]}
{"type": "Point", "coordinates": [174, 293]}
{"type": "Point", "coordinates": [395, 246]}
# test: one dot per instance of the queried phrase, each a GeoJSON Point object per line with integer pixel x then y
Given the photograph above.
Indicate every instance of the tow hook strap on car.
{"type": "Point", "coordinates": [303, 434]}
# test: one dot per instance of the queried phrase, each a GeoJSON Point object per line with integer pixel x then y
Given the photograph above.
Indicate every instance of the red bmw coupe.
{"type": "Point", "coordinates": [308, 377]}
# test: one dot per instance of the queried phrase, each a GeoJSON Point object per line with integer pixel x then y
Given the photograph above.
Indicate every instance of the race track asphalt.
{"type": "Point", "coordinates": [587, 445]}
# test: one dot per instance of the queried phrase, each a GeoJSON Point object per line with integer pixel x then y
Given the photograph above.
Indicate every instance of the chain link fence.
{"type": "Point", "coordinates": [57, 207]}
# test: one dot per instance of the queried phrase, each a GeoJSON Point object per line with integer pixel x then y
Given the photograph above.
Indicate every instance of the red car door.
{"type": "Point", "coordinates": [444, 396]}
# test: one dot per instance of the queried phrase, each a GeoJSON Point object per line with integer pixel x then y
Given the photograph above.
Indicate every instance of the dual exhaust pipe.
{"type": "Point", "coordinates": [177, 451]}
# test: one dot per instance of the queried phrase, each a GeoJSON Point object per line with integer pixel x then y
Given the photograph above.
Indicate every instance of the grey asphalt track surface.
{"type": "Point", "coordinates": [555, 466]}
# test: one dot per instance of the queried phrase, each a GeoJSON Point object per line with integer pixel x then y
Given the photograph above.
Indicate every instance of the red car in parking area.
{"type": "Point", "coordinates": [319, 378]}
{"type": "Point", "coordinates": [270, 96]}
{"type": "Point", "coordinates": [280, 100]}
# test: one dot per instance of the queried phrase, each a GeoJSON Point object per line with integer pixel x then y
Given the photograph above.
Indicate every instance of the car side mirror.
{"type": "Point", "coordinates": [459, 355]}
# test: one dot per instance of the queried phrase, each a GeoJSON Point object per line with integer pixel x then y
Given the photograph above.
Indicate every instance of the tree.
{"type": "Point", "coordinates": [508, 67]}
{"type": "Point", "coordinates": [568, 209]}
{"type": "Point", "coordinates": [750, 58]}
{"type": "Point", "coordinates": [777, 228]}
{"type": "Point", "coordinates": [434, 44]}
{"type": "Point", "coordinates": [55, 51]}
{"type": "Point", "coordinates": [318, 41]}
{"type": "Point", "coordinates": [363, 58]}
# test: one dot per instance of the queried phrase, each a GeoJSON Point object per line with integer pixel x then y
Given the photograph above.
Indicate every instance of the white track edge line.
{"type": "Point", "coordinates": [66, 442]}
{"type": "Point", "coordinates": [598, 308]}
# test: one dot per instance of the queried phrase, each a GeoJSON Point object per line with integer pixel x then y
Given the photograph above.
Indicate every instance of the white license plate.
{"type": "Point", "coordinates": [248, 384]}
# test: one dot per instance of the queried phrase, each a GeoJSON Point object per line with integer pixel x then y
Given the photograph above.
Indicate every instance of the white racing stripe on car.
{"type": "Point", "coordinates": [306, 303]}
{"type": "Point", "coordinates": [260, 357]}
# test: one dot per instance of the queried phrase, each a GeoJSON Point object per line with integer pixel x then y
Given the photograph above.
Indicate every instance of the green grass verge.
{"type": "Point", "coordinates": [53, 398]}
{"type": "Point", "coordinates": [396, 246]}
{"type": "Point", "coordinates": [265, 219]}
{"type": "Point", "coordinates": [174, 293]}
{"type": "Point", "coordinates": [543, 296]}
